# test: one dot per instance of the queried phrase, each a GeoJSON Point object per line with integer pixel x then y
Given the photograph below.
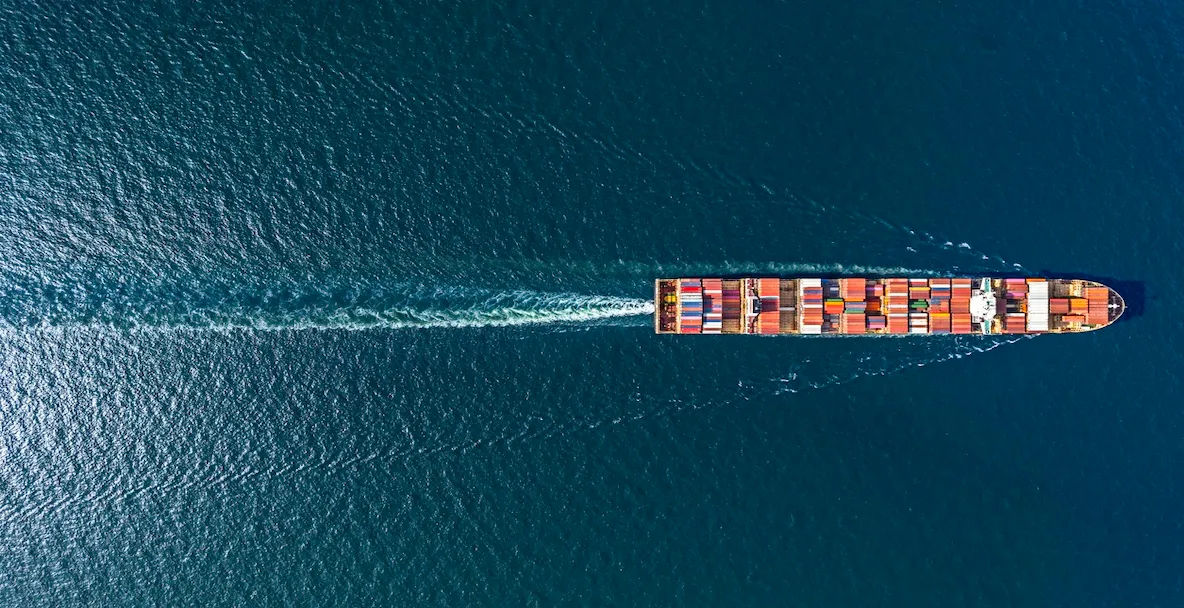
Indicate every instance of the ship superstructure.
{"type": "Point", "coordinates": [900, 306]}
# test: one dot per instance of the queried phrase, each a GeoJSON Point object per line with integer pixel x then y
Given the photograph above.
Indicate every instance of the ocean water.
{"type": "Point", "coordinates": [347, 303]}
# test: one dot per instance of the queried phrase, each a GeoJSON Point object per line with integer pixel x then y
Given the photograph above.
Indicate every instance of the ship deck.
{"type": "Point", "coordinates": [887, 306]}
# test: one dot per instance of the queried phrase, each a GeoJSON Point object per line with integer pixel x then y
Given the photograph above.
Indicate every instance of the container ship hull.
{"type": "Point", "coordinates": [871, 306]}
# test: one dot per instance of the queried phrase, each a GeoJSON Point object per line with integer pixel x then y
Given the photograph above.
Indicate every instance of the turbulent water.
{"type": "Point", "coordinates": [350, 304]}
{"type": "Point", "coordinates": [320, 307]}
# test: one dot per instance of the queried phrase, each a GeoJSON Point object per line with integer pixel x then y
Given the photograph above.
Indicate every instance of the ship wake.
{"type": "Point", "coordinates": [291, 307]}
{"type": "Point", "coordinates": [912, 351]}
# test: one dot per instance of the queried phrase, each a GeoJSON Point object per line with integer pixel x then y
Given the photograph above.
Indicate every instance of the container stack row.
{"type": "Point", "coordinates": [853, 289]}
{"type": "Point", "coordinates": [832, 310]}
{"type": "Point", "coordinates": [1038, 305]}
{"type": "Point", "coordinates": [939, 306]}
{"type": "Point", "coordinates": [896, 303]}
{"type": "Point", "coordinates": [811, 305]}
{"type": "Point", "coordinates": [855, 306]}
{"type": "Point", "coordinates": [853, 323]}
{"type": "Point", "coordinates": [1014, 323]}
{"type": "Point", "coordinates": [690, 299]}
{"type": "Point", "coordinates": [960, 306]}
{"type": "Point", "coordinates": [713, 306]}
{"type": "Point", "coordinates": [918, 289]}
{"type": "Point", "coordinates": [1098, 311]}
{"type": "Point", "coordinates": [1015, 289]}
{"type": "Point", "coordinates": [769, 320]}
{"type": "Point", "coordinates": [918, 306]}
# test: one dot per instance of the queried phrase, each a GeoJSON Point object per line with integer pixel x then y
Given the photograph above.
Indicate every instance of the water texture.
{"type": "Point", "coordinates": [347, 303]}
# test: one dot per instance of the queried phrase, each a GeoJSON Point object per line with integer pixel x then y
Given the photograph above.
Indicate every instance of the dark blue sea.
{"type": "Point", "coordinates": [346, 303]}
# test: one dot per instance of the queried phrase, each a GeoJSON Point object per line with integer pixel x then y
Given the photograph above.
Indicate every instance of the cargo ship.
{"type": "Point", "coordinates": [882, 306]}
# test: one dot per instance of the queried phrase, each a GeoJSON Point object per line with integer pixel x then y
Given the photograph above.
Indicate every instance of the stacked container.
{"type": "Point", "coordinates": [811, 299]}
{"type": "Point", "coordinates": [1098, 310]}
{"type": "Point", "coordinates": [897, 302]}
{"type": "Point", "coordinates": [713, 306]}
{"type": "Point", "coordinates": [859, 306]}
{"type": "Point", "coordinates": [852, 289]}
{"type": "Point", "coordinates": [918, 304]}
{"type": "Point", "coordinates": [918, 289]}
{"type": "Point", "coordinates": [1058, 306]}
{"type": "Point", "coordinates": [1038, 305]}
{"type": "Point", "coordinates": [769, 320]}
{"type": "Point", "coordinates": [690, 300]}
{"type": "Point", "coordinates": [854, 292]}
{"type": "Point", "coordinates": [939, 306]}
{"type": "Point", "coordinates": [960, 306]}
{"type": "Point", "coordinates": [1014, 323]}
{"type": "Point", "coordinates": [1015, 289]}
{"type": "Point", "coordinates": [918, 323]}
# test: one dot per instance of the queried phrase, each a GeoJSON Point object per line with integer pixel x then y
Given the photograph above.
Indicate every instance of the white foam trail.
{"type": "Point", "coordinates": [808, 268]}
{"type": "Point", "coordinates": [551, 311]}
{"type": "Point", "coordinates": [653, 269]}
{"type": "Point", "coordinates": [891, 363]}
{"type": "Point", "coordinates": [402, 308]}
